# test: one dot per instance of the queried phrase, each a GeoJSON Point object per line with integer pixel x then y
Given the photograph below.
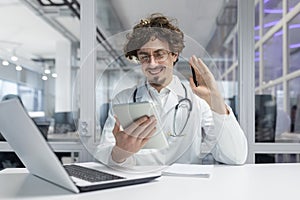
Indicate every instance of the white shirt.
{"type": "Point", "coordinates": [205, 131]}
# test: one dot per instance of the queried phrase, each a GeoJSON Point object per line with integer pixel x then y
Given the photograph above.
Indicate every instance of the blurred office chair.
{"type": "Point", "coordinates": [293, 117]}
{"type": "Point", "coordinates": [297, 116]}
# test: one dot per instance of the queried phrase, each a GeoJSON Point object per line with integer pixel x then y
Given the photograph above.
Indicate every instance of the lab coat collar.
{"type": "Point", "coordinates": [176, 87]}
{"type": "Point", "coordinates": [177, 92]}
{"type": "Point", "coordinates": [142, 94]}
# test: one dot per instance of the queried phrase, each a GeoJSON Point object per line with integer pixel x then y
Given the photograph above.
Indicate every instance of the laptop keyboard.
{"type": "Point", "coordinates": [88, 174]}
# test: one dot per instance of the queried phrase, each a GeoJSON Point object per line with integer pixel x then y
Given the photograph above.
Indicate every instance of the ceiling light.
{"type": "Point", "coordinates": [54, 75]}
{"type": "Point", "coordinates": [44, 77]}
{"type": "Point", "coordinates": [5, 63]}
{"type": "Point", "coordinates": [14, 58]}
{"type": "Point", "coordinates": [47, 71]}
{"type": "Point", "coordinates": [18, 68]}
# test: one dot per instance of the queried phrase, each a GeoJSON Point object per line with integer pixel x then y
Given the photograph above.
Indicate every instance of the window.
{"type": "Point", "coordinates": [31, 97]}
{"type": "Point", "coordinates": [277, 80]}
{"type": "Point", "coordinates": [294, 44]}
{"type": "Point", "coordinates": [272, 57]}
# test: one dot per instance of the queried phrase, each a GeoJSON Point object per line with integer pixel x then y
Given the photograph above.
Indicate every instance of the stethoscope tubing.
{"type": "Point", "coordinates": [176, 108]}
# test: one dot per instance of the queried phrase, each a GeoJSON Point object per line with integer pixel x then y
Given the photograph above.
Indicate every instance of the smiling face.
{"type": "Point", "coordinates": [158, 62]}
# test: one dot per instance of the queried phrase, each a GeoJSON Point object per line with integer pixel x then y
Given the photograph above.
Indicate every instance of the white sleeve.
{"type": "Point", "coordinates": [224, 138]}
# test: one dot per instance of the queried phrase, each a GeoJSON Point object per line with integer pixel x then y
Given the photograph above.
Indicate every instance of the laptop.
{"type": "Point", "coordinates": [31, 147]}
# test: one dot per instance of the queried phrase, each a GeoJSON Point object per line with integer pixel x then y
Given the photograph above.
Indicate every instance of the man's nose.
{"type": "Point", "coordinates": [152, 60]}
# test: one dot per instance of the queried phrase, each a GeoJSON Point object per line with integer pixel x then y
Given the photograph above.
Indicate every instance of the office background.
{"type": "Point", "coordinates": [43, 42]}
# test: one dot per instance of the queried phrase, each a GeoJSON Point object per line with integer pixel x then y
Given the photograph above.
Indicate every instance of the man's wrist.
{"type": "Point", "coordinates": [118, 155]}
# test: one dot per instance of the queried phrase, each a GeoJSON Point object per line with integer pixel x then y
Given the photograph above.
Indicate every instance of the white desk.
{"type": "Point", "coordinates": [253, 182]}
{"type": "Point", "coordinates": [63, 137]}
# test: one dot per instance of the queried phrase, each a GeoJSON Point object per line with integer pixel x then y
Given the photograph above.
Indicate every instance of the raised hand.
{"type": "Point", "coordinates": [207, 87]}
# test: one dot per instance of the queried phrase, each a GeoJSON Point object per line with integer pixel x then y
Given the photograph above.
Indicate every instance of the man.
{"type": "Point", "coordinates": [209, 126]}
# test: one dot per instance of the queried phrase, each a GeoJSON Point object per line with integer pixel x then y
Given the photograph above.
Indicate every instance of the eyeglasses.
{"type": "Point", "coordinates": [159, 55]}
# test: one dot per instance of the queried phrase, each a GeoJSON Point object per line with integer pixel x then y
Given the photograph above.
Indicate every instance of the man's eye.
{"type": "Point", "coordinates": [144, 57]}
{"type": "Point", "coordinates": [159, 55]}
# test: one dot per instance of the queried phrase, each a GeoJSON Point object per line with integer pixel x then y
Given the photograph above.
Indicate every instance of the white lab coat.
{"type": "Point", "coordinates": [205, 132]}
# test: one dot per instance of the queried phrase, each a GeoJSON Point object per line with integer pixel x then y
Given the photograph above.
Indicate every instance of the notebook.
{"type": "Point", "coordinates": [31, 147]}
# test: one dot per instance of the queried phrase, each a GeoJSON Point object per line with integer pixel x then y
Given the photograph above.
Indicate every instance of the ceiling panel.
{"type": "Point", "coordinates": [195, 17]}
{"type": "Point", "coordinates": [24, 31]}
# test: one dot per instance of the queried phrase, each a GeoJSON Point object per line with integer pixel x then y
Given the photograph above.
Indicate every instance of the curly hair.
{"type": "Point", "coordinates": [157, 26]}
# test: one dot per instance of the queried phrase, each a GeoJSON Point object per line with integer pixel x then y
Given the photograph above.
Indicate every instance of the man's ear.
{"type": "Point", "coordinates": [175, 58]}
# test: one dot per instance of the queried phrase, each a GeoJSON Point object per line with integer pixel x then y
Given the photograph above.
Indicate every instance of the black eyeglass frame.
{"type": "Point", "coordinates": [156, 57]}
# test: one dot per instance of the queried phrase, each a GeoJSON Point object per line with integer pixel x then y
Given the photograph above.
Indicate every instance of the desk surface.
{"type": "Point", "coordinates": [270, 181]}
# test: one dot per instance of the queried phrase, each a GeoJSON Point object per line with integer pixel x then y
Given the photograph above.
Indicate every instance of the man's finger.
{"type": "Point", "coordinates": [117, 126]}
{"type": "Point", "coordinates": [133, 126]}
{"type": "Point", "coordinates": [140, 130]}
{"type": "Point", "coordinates": [147, 138]}
{"type": "Point", "coordinates": [145, 132]}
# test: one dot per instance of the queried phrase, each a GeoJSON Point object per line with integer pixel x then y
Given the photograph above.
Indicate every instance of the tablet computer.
{"type": "Point", "coordinates": [129, 112]}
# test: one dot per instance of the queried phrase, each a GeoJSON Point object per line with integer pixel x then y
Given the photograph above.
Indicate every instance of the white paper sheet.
{"type": "Point", "coordinates": [192, 170]}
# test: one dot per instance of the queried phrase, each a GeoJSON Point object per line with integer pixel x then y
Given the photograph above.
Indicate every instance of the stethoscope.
{"type": "Point", "coordinates": [182, 103]}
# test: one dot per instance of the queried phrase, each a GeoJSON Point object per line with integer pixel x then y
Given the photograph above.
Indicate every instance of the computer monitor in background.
{"type": "Point", "coordinates": [43, 124]}
{"type": "Point", "coordinates": [265, 118]}
{"type": "Point", "coordinates": [265, 124]}
{"type": "Point", "coordinates": [65, 122]}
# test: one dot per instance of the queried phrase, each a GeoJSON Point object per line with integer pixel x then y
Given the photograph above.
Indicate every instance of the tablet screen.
{"type": "Point", "coordinates": [129, 112]}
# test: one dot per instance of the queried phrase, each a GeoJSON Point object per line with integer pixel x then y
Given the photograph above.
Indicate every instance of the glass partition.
{"type": "Point", "coordinates": [272, 57]}
{"type": "Point", "coordinates": [113, 73]}
{"type": "Point", "coordinates": [272, 13]}
{"type": "Point", "coordinates": [277, 96]}
{"type": "Point", "coordinates": [294, 43]}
